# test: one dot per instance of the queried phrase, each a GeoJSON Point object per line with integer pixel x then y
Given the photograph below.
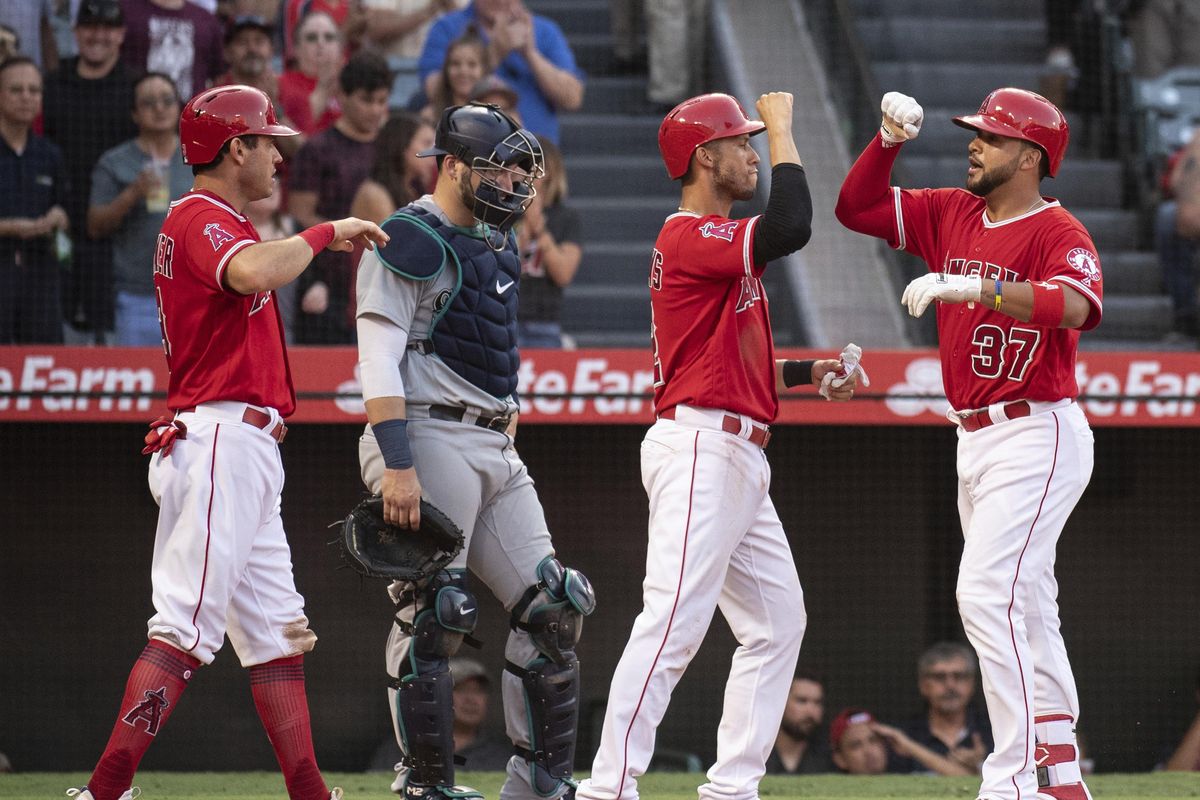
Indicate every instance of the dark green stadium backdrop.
{"type": "Point", "coordinates": [870, 512]}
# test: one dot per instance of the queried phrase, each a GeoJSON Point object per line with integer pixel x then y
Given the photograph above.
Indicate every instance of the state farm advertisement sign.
{"type": "Point", "coordinates": [72, 384]}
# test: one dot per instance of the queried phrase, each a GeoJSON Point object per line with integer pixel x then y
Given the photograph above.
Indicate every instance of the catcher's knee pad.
{"type": "Point", "coordinates": [425, 695]}
{"type": "Point", "coordinates": [552, 612]}
{"type": "Point", "coordinates": [443, 621]}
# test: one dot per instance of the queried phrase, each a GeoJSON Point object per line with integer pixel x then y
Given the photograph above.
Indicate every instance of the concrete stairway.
{"type": "Point", "coordinates": [617, 183]}
{"type": "Point", "coordinates": [620, 187]}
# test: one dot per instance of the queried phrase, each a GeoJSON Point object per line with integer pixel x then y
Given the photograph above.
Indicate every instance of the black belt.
{"type": "Point", "coordinates": [456, 414]}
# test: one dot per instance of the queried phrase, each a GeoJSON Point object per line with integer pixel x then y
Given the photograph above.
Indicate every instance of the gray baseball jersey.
{"type": "Point", "coordinates": [411, 306]}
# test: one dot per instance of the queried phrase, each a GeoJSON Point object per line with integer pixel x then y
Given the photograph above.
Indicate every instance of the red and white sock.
{"type": "Point", "coordinates": [155, 684]}
{"type": "Point", "coordinates": [1057, 758]}
{"type": "Point", "coordinates": [279, 697]}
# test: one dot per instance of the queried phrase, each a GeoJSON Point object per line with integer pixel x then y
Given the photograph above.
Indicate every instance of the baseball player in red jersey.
{"type": "Point", "coordinates": [221, 560]}
{"type": "Point", "coordinates": [714, 537]}
{"type": "Point", "coordinates": [1017, 278]}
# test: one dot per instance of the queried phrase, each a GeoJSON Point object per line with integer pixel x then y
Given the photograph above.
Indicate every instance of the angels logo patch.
{"type": "Point", "coordinates": [217, 235]}
{"type": "Point", "coordinates": [723, 231]}
{"type": "Point", "coordinates": [1085, 262]}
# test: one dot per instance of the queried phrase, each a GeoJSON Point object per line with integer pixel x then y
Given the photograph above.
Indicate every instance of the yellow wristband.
{"type": "Point", "coordinates": [999, 298]}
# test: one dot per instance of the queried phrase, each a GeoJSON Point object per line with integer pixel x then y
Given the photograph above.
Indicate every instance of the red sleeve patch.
{"type": "Point", "coordinates": [725, 230]}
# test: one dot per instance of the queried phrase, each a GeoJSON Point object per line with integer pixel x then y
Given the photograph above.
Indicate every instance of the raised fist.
{"type": "Point", "coordinates": [902, 118]}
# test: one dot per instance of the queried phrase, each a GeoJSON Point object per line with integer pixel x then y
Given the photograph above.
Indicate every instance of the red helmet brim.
{"type": "Point", "coordinates": [979, 122]}
{"type": "Point", "coordinates": [275, 130]}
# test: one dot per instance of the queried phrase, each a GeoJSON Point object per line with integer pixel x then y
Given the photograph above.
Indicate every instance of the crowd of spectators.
{"type": "Point", "coordinates": [89, 145]}
{"type": "Point", "coordinates": [425, 55]}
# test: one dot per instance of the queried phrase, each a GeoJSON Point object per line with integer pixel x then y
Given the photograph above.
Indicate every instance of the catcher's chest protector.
{"type": "Point", "coordinates": [475, 334]}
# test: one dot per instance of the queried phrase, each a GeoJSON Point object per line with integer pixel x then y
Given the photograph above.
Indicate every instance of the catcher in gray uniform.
{"type": "Point", "coordinates": [438, 361]}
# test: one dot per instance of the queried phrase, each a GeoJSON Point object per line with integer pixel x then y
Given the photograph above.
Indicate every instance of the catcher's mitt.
{"type": "Point", "coordinates": [378, 549]}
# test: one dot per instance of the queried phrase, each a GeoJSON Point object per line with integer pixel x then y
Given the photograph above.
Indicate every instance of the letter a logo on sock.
{"type": "Point", "coordinates": [148, 711]}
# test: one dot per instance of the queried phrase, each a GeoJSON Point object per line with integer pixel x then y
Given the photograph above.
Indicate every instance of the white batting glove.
{"type": "Point", "coordinates": [851, 363]}
{"type": "Point", "coordinates": [940, 286]}
{"type": "Point", "coordinates": [902, 118]}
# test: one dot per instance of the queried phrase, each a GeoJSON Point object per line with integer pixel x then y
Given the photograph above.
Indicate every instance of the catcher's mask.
{"type": "Point", "coordinates": [506, 157]}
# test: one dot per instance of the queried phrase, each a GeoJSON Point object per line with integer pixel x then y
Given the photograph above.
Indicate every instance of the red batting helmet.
{"type": "Point", "coordinates": [213, 117]}
{"type": "Point", "coordinates": [1020, 114]}
{"type": "Point", "coordinates": [699, 121]}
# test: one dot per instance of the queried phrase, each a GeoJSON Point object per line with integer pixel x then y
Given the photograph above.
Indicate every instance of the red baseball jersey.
{"type": "Point", "coordinates": [989, 357]}
{"type": "Point", "coordinates": [709, 321]}
{"type": "Point", "coordinates": [220, 345]}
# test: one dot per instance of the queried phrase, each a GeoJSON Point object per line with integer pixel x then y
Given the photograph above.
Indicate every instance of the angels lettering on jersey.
{"type": "Point", "coordinates": [989, 356]}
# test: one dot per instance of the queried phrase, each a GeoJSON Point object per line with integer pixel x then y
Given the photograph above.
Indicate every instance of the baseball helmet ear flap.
{"type": "Point", "coordinates": [213, 117]}
{"type": "Point", "coordinates": [699, 121]}
{"type": "Point", "coordinates": [1024, 115]}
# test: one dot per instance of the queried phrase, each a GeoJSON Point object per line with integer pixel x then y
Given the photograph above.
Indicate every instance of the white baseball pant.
{"type": "Point", "coordinates": [221, 559]}
{"type": "Point", "coordinates": [715, 540]}
{"type": "Point", "coordinates": [1018, 482]}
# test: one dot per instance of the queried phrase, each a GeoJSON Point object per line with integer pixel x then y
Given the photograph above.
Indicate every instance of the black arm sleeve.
{"type": "Point", "coordinates": [786, 225]}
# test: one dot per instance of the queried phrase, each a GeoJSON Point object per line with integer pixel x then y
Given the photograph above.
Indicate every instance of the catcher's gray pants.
{"type": "Point", "coordinates": [476, 477]}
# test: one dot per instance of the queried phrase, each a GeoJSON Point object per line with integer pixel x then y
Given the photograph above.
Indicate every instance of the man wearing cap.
{"type": "Point", "coordinates": [1016, 279]}
{"type": "Point", "coordinates": [87, 111]}
{"type": "Point", "coordinates": [249, 51]}
{"type": "Point", "coordinates": [855, 746]}
{"type": "Point", "coordinates": [222, 564]}
{"type": "Point", "coordinates": [862, 745]}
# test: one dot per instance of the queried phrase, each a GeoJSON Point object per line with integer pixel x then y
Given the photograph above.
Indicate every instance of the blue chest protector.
{"type": "Point", "coordinates": [474, 330]}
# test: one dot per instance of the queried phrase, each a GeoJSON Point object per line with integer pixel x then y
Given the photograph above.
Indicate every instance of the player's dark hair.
{"type": "Point", "coordinates": [365, 71]}
{"type": "Point", "coordinates": [249, 139]}
{"type": "Point", "coordinates": [150, 76]}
